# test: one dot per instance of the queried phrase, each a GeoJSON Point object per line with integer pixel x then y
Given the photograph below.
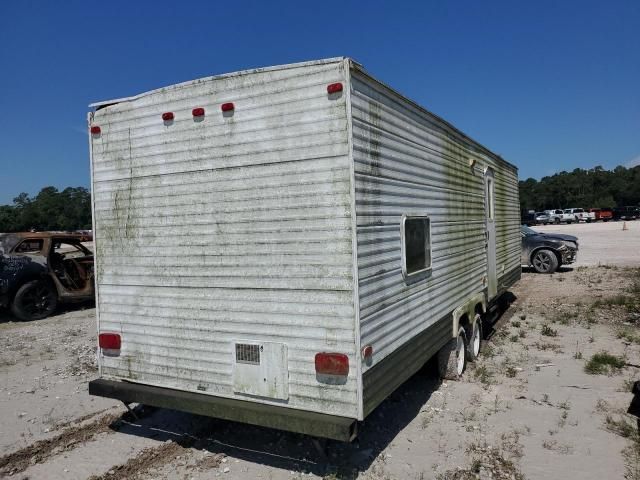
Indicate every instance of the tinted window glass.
{"type": "Point", "coordinates": [416, 244]}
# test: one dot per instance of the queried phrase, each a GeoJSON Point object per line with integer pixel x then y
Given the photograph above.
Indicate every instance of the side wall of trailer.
{"type": "Point", "coordinates": [508, 237]}
{"type": "Point", "coordinates": [409, 162]}
{"type": "Point", "coordinates": [224, 241]}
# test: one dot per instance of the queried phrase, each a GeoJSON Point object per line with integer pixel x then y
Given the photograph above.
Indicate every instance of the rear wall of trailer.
{"type": "Point", "coordinates": [220, 233]}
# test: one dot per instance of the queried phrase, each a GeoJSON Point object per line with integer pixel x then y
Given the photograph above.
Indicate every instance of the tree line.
{"type": "Point", "coordinates": [593, 188]}
{"type": "Point", "coordinates": [69, 209]}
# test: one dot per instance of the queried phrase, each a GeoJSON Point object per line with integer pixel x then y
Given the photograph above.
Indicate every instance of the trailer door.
{"type": "Point", "coordinates": [490, 213]}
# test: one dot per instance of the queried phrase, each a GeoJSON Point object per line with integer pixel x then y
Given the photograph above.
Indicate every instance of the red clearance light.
{"type": "Point", "coordinates": [332, 364]}
{"type": "Point", "coordinates": [197, 112]}
{"type": "Point", "coordinates": [167, 116]}
{"type": "Point", "coordinates": [109, 341]}
{"type": "Point", "coordinates": [227, 107]}
{"type": "Point", "coordinates": [95, 130]}
{"type": "Point", "coordinates": [367, 352]}
{"type": "Point", "coordinates": [334, 88]}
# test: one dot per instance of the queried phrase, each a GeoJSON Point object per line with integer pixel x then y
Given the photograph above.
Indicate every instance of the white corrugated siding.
{"type": "Point", "coordinates": [508, 237]}
{"type": "Point", "coordinates": [231, 228]}
{"type": "Point", "coordinates": [408, 161]}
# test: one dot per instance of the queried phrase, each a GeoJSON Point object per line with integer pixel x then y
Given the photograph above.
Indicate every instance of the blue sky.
{"type": "Point", "coordinates": [549, 85]}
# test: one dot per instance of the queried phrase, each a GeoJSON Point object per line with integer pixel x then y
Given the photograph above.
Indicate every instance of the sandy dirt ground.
{"type": "Point", "coordinates": [526, 409]}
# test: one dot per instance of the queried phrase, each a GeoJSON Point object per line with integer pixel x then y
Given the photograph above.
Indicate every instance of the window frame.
{"type": "Point", "coordinates": [429, 267]}
{"type": "Point", "coordinates": [16, 249]}
{"type": "Point", "coordinates": [491, 199]}
{"type": "Point", "coordinates": [71, 243]}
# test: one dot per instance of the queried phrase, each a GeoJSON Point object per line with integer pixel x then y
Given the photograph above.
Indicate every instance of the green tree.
{"type": "Point", "coordinates": [595, 187]}
{"type": "Point", "coordinates": [50, 209]}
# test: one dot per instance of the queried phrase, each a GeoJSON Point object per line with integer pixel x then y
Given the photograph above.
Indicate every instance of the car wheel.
{"type": "Point", "coordinates": [452, 357]}
{"type": "Point", "coordinates": [545, 261]}
{"type": "Point", "coordinates": [34, 300]}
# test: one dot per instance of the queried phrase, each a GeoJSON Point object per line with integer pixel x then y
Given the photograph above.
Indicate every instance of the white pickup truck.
{"type": "Point", "coordinates": [581, 215]}
{"type": "Point", "coordinates": [561, 216]}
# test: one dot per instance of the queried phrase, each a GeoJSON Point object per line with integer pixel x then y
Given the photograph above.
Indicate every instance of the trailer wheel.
{"type": "Point", "coordinates": [452, 357]}
{"type": "Point", "coordinates": [475, 338]}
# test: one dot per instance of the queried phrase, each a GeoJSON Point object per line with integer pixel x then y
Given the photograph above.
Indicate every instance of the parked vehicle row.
{"type": "Point", "coordinates": [575, 215]}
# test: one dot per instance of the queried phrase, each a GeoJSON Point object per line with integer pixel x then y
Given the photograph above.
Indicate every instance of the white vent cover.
{"type": "Point", "coordinates": [261, 369]}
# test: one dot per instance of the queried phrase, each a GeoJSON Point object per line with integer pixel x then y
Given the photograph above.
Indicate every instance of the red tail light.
{"type": "Point", "coordinates": [332, 364]}
{"type": "Point", "coordinates": [334, 88]}
{"type": "Point", "coordinates": [95, 130]}
{"type": "Point", "coordinates": [167, 116]}
{"type": "Point", "coordinates": [197, 112]}
{"type": "Point", "coordinates": [109, 341]}
{"type": "Point", "coordinates": [227, 107]}
{"type": "Point", "coordinates": [367, 352]}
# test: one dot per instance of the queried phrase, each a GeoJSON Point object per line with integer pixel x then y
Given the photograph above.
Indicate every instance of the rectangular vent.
{"type": "Point", "coordinates": [247, 353]}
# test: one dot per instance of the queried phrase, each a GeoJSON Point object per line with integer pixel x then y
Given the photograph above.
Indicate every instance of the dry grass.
{"type": "Point", "coordinates": [603, 363]}
{"type": "Point", "coordinates": [490, 462]}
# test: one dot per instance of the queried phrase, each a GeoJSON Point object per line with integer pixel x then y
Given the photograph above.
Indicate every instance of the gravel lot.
{"type": "Point", "coordinates": [527, 409]}
{"type": "Point", "coordinates": [603, 243]}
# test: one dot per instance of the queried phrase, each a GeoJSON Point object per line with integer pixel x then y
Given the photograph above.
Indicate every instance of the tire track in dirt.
{"type": "Point", "coordinates": [156, 457]}
{"type": "Point", "coordinates": [150, 457]}
{"type": "Point", "coordinates": [68, 439]}
{"type": "Point", "coordinates": [83, 418]}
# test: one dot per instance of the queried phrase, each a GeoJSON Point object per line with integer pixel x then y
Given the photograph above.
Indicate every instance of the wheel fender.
{"type": "Point", "coordinates": [468, 308]}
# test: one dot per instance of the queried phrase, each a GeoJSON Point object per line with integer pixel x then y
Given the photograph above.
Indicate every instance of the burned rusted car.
{"type": "Point", "coordinates": [41, 269]}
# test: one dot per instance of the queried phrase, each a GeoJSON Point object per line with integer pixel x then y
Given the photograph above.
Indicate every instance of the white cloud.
{"type": "Point", "coordinates": [634, 162]}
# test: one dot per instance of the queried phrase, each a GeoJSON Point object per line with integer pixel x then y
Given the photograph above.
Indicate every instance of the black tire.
{"type": "Point", "coordinates": [452, 358]}
{"type": "Point", "coordinates": [473, 333]}
{"type": "Point", "coordinates": [34, 300]}
{"type": "Point", "coordinates": [545, 261]}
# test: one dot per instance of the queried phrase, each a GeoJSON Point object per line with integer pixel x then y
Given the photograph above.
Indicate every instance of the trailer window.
{"type": "Point", "coordinates": [416, 245]}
